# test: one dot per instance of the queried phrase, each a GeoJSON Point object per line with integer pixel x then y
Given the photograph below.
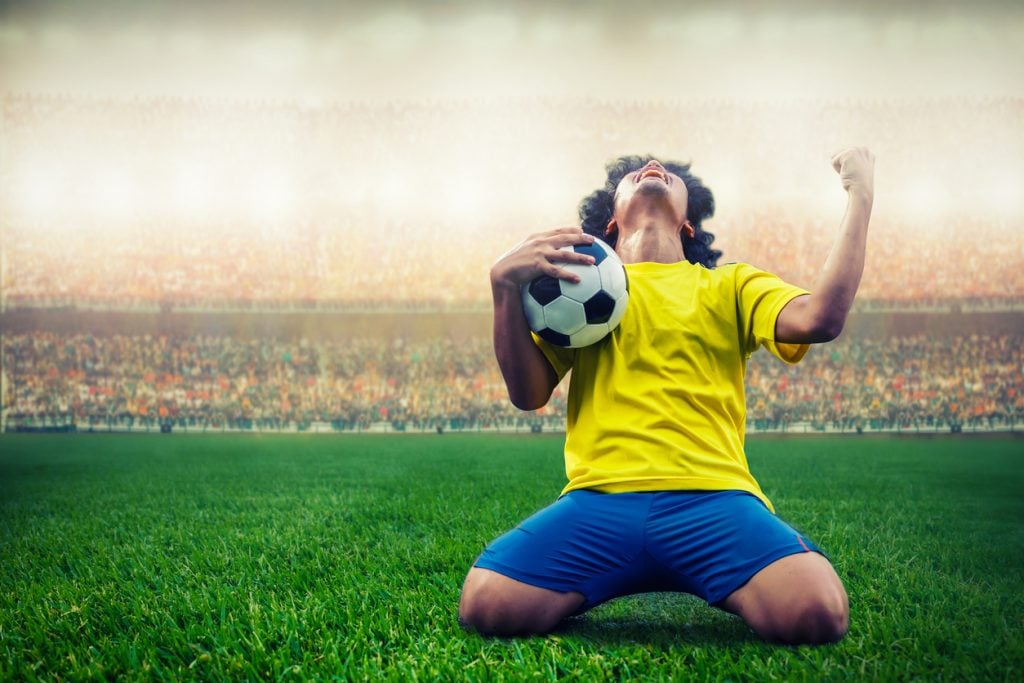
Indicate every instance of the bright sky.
{"type": "Point", "coordinates": [645, 50]}
{"type": "Point", "coordinates": [320, 52]}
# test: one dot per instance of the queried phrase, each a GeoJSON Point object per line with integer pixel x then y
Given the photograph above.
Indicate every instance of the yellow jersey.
{"type": "Point", "coordinates": [659, 403]}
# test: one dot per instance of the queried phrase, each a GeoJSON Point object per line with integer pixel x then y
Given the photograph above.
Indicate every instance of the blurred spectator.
{"type": "Point", "coordinates": [104, 382]}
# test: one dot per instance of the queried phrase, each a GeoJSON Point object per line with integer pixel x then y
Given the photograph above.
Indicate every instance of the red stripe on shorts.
{"type": "Point", "coordinates": [806, 549]}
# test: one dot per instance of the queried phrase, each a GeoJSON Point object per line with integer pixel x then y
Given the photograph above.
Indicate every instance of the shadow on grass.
{"type": "Point", "coordinates": [658, 620]}
{"type": "Point", "coordinates": [662, 636]}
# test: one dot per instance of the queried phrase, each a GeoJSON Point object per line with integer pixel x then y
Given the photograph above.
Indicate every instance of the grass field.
{"type": "Point", "coordinates": [290, 557]}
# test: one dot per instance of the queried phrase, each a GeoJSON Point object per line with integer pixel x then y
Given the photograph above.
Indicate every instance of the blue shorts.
{"type": "Point", "coordinates": [605, 545]}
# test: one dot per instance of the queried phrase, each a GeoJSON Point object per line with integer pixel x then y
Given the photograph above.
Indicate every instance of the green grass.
{"type": "Point", "coordinates": [318, 557]}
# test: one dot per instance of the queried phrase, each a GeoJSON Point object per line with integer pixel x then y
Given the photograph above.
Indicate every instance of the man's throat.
{"type": "Point", "coordinates": [650, 244]}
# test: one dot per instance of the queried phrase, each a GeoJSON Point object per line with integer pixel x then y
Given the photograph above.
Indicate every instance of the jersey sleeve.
{"type": "Point", "coordinates": [760, 297]}
{"type": "Point", "coordinates": [561, 359]}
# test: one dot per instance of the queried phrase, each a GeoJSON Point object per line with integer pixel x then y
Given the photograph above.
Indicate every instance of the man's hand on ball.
{"type": "Point", "coordinates": [540, 254]}
{"type": "Point", "coordinates": [856, 169]}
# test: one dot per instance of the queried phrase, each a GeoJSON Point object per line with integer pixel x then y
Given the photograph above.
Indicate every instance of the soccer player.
{"type": "Point", "coordinates": [660, 497]}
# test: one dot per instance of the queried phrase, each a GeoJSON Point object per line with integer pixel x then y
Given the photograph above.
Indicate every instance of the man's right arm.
{"type": "Point", "coordinates": [528, 375]}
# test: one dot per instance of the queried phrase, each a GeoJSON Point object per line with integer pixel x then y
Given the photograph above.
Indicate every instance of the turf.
{"type": "Point", "coordinates": [320, 557]}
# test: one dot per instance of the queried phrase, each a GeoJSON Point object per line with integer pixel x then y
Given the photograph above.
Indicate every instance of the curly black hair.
{"type": "Point", "coordinates": [597, 208]}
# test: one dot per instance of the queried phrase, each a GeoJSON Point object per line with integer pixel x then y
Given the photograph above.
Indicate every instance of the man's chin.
{"type": "Point", "coordinates": [652, 186]}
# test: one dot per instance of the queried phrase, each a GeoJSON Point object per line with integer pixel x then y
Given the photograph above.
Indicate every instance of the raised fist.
{"type": "Point", "coordinates": [856, 168]}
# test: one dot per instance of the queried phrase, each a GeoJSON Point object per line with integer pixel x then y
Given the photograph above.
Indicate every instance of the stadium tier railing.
{"type": "Point", "coordinates": [430, 306]}
{"type": "Point", "coordinates": [534, 424]}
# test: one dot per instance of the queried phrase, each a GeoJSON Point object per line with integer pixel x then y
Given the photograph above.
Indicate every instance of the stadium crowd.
{"type": "Point", "coordinates": [165, 202]}
{"type": "Point", "coordinates": [112, 382]}
{"type": "Point", "coordinates": [217, 382]}
{"type": "Point", "coordinates": [347, 271]}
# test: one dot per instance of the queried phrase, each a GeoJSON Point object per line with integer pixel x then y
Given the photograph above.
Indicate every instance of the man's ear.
{"type": "Point", "coordinates": [687, 229]}
{"type": "Point", "coordinates": [611, 228]}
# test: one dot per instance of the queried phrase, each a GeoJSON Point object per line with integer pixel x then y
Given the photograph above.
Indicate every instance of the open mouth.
{"type": "Point", "coordinates": [652, 173]}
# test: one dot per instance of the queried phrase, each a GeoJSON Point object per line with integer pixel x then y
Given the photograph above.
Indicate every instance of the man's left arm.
{"type": "Point", "coordinates": [820, 316]}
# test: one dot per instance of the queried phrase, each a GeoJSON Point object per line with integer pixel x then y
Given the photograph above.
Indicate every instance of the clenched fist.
{"type": "Point", "coordinates": [856, 169]}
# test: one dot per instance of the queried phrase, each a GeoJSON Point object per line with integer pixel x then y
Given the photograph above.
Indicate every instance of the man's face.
{"type": "Point", "coordinates": [648, 189]}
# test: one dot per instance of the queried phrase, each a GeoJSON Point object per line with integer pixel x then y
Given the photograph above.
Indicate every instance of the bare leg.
{"type": "Point", "coordinates": [798, 600]}
{"type": "Point", "coordinates": [495, 605]}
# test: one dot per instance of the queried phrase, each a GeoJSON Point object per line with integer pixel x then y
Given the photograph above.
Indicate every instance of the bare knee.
{"type": "Point", "coordinates": [490, 614]}
{"type": "Point", "coordinates": [495, 605]}
{"type": "Point", "coordinates": [797, 600]}
{"type": "Point", "coordinates": [480, 610]}
{"type": "Point", "coordinates": [817, 618]}
{"type": "Point", "coordinates": [823, 619]}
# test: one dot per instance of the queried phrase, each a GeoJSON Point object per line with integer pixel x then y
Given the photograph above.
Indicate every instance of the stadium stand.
{"type": "Point", "coordinates": [949, 381]}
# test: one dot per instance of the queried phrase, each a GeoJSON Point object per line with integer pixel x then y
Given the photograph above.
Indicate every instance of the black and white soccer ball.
{"type": "Point", "coordinates": [576, 314]}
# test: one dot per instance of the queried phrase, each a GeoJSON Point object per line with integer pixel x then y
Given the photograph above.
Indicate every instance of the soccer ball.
{"type": "Point", "coordinates": [576, 314]}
